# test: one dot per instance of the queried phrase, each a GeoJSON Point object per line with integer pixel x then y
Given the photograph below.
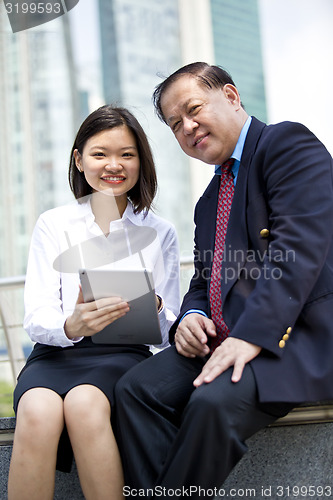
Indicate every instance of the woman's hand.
{"type": "Point", "coordinates": [89, 318]}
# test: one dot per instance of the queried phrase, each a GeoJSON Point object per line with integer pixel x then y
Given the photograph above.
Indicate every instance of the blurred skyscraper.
{"type": "Point", "coordinates": [237, 48]}
{"type": "Point", "coordinates": [38, 109]}
{"type": "Point", "coordinates": [140, 44]}
{"type": "Point", "coordinates": [141, 40]}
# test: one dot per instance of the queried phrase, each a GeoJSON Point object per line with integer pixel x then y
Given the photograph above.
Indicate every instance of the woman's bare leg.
{"type": "Point", "coordinates": [39, 425]}
{"type": "Point", "coordinates": [87, 415]}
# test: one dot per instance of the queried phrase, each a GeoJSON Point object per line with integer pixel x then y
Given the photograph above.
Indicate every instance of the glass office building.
{"type": "Point", "coordinates": [237, 48]}
{"type": "Point", "coordinates": [38, 105]}
{"type": "Point", "coordinates": [140, 44]}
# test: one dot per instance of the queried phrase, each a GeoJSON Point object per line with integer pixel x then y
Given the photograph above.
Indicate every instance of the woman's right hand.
{"type": "Point", "coordinates": [89, 318]}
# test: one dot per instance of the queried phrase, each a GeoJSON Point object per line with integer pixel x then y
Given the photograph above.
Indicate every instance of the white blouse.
{"type": "Point", "coordinates": [67, 238]}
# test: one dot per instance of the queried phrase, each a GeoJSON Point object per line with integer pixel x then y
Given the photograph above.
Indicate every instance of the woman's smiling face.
{"type": "Point", "coordinates": [110, 161]}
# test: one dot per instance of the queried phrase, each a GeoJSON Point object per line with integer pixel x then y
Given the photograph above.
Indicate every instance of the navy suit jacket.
{"type": "Point", "coordinates": [277, 273]}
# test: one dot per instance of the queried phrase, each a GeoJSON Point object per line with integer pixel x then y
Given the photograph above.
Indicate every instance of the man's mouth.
{"type": "Point", "coordinates": [200, 139]}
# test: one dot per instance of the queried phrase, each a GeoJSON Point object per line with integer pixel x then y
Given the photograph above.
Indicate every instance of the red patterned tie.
{"type": "Point", "coordinates": [226, 194]}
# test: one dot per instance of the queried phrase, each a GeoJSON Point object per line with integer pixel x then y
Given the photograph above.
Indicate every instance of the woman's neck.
{"type": "Point", "coordinates": [107, 209]}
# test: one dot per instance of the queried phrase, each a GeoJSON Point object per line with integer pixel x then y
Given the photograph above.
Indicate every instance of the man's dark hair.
{"type": "Point", "coordinates": [212, 77]}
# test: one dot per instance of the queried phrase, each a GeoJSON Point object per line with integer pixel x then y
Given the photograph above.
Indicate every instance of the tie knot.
{"type": "Point", "coordinates": [227, 166]}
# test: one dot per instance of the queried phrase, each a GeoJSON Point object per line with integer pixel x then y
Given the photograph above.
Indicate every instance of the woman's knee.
{"type": "Point", "coordinates": [86, 406]}
{"type": "Point", "coordinates": [40, 413]}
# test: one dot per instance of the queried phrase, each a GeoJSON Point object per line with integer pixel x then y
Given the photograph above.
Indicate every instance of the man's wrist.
{"type": "Point", "coordinates": [190, 311]}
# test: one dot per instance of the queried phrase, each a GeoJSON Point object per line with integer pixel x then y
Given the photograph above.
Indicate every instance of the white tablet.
{"type": "Point", "coordinates": [141, 324]}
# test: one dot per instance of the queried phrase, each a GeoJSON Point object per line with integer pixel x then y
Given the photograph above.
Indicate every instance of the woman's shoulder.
{"type": "Point", "coordinates": [164, 228]}
{"type": "Point", "coordinates": [157, 221]}
{"type": "Point", "coordinates": [64, 213]}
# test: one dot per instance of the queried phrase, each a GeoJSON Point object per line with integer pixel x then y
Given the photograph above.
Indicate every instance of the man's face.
{"type": "Point", "coordinates": [206, 122]}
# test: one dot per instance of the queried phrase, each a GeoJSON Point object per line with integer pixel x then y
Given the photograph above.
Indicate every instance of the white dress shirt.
{"type": "Point", "coordinates": [52, 279]}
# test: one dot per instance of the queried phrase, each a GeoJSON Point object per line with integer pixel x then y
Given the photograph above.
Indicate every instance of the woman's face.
{"type": "Point", "coordinates": [110, 161]}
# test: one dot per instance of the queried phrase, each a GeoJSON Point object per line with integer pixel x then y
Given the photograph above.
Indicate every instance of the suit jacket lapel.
{"type": "Point", "coordinates": [236, 243]}
{"type": "Point", "coordinates": [206, 217]}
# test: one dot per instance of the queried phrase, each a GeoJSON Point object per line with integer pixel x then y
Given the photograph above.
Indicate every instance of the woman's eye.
{"type": "Point", "coordinates": [128, 155]}
{"type": "Point", "coordinates": [98, 154]}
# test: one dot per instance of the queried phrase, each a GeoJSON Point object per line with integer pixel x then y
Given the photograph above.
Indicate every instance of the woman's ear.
{"type": "Point", "coordinates": [78, 160]}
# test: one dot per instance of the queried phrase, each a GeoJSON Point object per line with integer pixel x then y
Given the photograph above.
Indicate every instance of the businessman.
{"type": "Point", "coordinates": [254, 337]}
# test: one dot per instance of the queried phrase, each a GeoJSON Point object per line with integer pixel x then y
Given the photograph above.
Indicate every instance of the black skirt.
{"type": "Point", "coordinates": [62, 368]}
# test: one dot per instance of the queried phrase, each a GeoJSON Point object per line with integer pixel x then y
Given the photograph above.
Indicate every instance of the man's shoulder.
{"type": "Point", "coordinates": [280, 134]}
{"type": "Point", "coordinates": [285, 128]}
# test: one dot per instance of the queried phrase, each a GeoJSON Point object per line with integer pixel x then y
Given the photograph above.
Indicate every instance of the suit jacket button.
{"type": "Point", "coordinates": [264, 233]}
{"type": "Point", "coordinates": [282, 344]}
{"type": "Point", "coordinates": [285, 336]}
{"type": "Point", "coordinates": [289, 330]}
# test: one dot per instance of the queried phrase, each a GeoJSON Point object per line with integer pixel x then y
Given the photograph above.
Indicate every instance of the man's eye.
{"type": "Point", "coordinates": [175, 126]}
{"type": "Point", "coordinates": [194, 108]}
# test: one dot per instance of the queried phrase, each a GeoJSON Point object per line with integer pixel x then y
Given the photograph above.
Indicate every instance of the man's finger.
{"type": "Point", "coordinates": [237, 371]}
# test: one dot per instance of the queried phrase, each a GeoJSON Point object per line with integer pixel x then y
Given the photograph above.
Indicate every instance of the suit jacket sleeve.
{"type": "Point", "coordinates": [295, 173]}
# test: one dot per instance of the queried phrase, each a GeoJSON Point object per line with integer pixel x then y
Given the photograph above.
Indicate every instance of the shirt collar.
{"type": "Point", "coordinates": [131, 216]}
{"type": "Point", "coordinates": [128, 216]}
{"type": "Point", "coordinates": [237, 153]}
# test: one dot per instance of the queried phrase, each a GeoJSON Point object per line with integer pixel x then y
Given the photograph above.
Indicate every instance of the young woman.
{"type": "Point", "coordinates": [64, 396]}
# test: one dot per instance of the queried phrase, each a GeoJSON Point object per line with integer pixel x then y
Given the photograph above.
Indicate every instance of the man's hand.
{"type": "Point", "coordinates": [232, 352]}
{"type": "Point", "coordinates": [192, 335]}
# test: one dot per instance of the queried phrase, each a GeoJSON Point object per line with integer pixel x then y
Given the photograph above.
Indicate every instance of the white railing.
{"type": "Point", "coordinates": [11, 324]}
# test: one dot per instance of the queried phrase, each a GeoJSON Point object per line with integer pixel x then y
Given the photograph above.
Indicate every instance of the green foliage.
{"type": "Point", "coordinates": [6, 399]}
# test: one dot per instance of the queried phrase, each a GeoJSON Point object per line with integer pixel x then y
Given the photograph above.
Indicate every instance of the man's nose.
{"type": "Point", "coordinates": [189, 125]}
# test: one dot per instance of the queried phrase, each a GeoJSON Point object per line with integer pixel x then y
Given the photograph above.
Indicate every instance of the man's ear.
{"type": "Point", "coordinates": [78, 160]}
{"type": "Point", "coordinates": [231, 94]}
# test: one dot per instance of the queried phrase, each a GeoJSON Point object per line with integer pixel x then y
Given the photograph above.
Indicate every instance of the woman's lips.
{"type": "Point", "coordinates": [111, 179]}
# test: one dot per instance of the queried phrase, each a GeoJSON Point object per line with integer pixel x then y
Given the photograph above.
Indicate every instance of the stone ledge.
{"type": "Point", "coordinates": [67, 486]}
{"type": "Point", "coordinates": [311, 413]}
{"type": "Point", "coordinates": [280, 457]}
{"type": "Point", "coordinates": [7, 428]}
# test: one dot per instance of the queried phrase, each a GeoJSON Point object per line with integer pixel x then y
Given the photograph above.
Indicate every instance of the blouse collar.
{"type": "Point", "coordinates": [128, 217]}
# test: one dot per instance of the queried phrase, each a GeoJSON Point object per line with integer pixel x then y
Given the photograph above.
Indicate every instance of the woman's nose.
{"type": "Point", "coordinates": [113, 165]}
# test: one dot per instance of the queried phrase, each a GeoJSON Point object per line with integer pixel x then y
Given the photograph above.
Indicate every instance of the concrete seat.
{"type": "Point", "coordinates": [283, 461]}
